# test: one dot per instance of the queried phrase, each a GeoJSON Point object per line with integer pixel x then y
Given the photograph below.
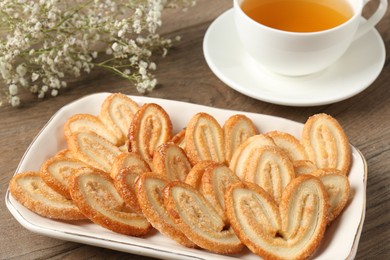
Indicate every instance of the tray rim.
{"type": "Point", "coordinates": [150, 250]}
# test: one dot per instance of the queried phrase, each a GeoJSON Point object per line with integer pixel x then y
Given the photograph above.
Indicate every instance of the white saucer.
{"type": "Point", "coordinates": [354, 72]}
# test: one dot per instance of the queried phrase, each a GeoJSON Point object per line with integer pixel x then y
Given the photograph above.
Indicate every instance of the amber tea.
{"type": "Point", "coordinates": [298, 15]}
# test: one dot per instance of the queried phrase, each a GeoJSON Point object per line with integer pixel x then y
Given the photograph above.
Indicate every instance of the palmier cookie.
{"type": "Point", "coordinates": [64, 153]}
{"type": "Point", "coordinates": [129, 161]}
{"type": "Point", "coordinates": [94, 193]}
{"type": "Point", "coordinates": [270, 168]}
{"type": "Point", "coordinates": [116, 113]}
{"type": "Point", "coordinates": [204, 139]}
{"type": "Point", "coordinates": [292, 230]}
{"type": "Point", "coordinates": [245, 152]}
{"type": "Point", "coordinates": [55, 172]}
{"type": "Point", "coordinates": [150, 127]}
{"type": "Point", "coordinates": [338, 189]}
{"type": "Point", "coordinates": [198, 219]}
{"type": "Point", "coordinates": [194, 177]}
{"type": "Point", "coordinates": [128, 166]}
{"type": "Point", "coordinates": [304, 167]}
{"type": "Point", "coordinates": [236, 130]}
{"type": "Point", "coordinates": [290, 144]}
{"type": "Point", "coordinates": [31, 191]}
{"type": "Point", "coordinates": [215, 180]}
{"type": "Point", "coordinates": [180, 138]}
{"type": "Point", "coordinates": [93, 150]}
{"type": "Point", "coordinates": [88, 123]}
{"type": "Point", "coordinates": [149, 187]}
{"type": "Point", "coordinates": [326, 144]}
{"type": "Point", "coordinates": [171, 161]}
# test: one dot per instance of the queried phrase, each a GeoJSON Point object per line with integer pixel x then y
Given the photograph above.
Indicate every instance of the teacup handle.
{"type": "Point", "coordinates": [373, 20]}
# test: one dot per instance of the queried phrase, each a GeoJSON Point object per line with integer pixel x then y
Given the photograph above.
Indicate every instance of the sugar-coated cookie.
{"type": "Point", "coordinates": [237, 129]}
{"type": "Point", "coordinates": [116, 113]}
{"type": "Point", "coordinates": [94, 193]}
{"type": "Point", "coordinates": [31, 191]}
{"type": "Point", "coordinates": [292, 230]}
{"type": "Point", "coordinates": [204, 139]}
{"type": "Point", "coordinates": [326, 143]}
{"type": "Point", "coordinates": [150, 127]}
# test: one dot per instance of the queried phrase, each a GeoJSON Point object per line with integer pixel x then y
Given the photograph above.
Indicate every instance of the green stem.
{"type": "Point", "coordinates": [116, 71]}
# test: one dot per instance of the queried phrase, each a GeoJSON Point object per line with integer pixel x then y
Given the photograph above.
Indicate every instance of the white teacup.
{"type": "Point", "coordinates": [298, 54]}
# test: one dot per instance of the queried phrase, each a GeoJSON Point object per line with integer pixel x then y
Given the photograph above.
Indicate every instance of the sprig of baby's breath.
{"type": "Point", "coordinates": [45, 42]}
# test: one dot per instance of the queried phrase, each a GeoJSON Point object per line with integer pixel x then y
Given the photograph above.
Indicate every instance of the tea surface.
{"type": "Point", "coordinates": [298, 15]}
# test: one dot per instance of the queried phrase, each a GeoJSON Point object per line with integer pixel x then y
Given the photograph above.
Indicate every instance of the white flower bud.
{"type": "Point", "coordinates": [21, 70]}
{"type": "Point", "coordinates": [13, 89]}
{"type": "Point", "coordinates": [15, 101]}
{"type": "Point", "coordinates": [34, 76]}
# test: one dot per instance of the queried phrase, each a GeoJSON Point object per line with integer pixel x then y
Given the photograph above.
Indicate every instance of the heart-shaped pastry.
{"type": "Point", "coordinates": [204, 139]}
{"type": "Point", "coordinates": [149, 188]}
{"type": "Point", "coordinates": [198, 219]}
{"type": "Point", "coordinates": [215, 180]}
{"type": "Point", "coordinates": [338, 189]}
{"type": "Point", "coordinates": [150, 127]}
{"type": "Point", "coordinates": [128, 160]}
{"type": "Point", "coordinates": [194, 177]}
{"type": "Point", "coordinates": [56, 172]}
{"type": "Point", "coordinates": [292, 230]}
{"type": "Point", "coordinates": [89, 123]}
{"type": "Point", "coordinates": [246, 151]}
{"type": "Point", "coordinates": [31, 191]}
{"type": "Point", "coordinates": [116, 113]}
{"type": "Point", "coordinates": [290, 144]}
{"type": "Point", "coordinates": [94, 193]}
{"type": "Point", "coordinates": [126, 168]}
{"type": "Point", "coordinates": [171, 161]}
{"type": "Point", "coordinates": [93, 150]}
{"type": "Point", "coordinates": [237, 129]}
{"type": "Point", "coordinates": [270, 168]}
{"type": "Point", "coordinates": [326, 144]}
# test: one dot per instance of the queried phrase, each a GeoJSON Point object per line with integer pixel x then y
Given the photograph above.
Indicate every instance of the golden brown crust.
{"type": "Point", "coordinates": [88, 123]}
{"type": "Point", "coordinates": [94, 193]}
{"type": "Point", "coordinates": [270, 168]}
{"type": "Point", "coordinates": [150, 127]}
{"type": "Point", "coordinates": [133, 161]}
{"type": "Point", "coordinates": [128, 167]}
{"type": "Point", "coordinates": [291, 231]}
{"type": "Point", "coordinates": [194, 177]}
{"type": "Point", "coordinates": [170, 161]}
{"type": "Point", "coordinates": [245, 152]}
{"type": "Point", "coordinates": [93, 150]}
{"type": "Point", "coordinates": [198, 219]}
{"type": "Point", "coordinates": [55, 172]}
{"type": "Point", "coordinates": [65, 153]}
{"type": "Point", "coordinates": [237, 129]}
{"type": "Point", "coordinates": [179, 138]}
{"type": "Point", "coordinates": [31, 191]}
{"type": "Point", "coordinates": [215, 180]}
{"type": "Point", "coordinates": [338, 189]}
{"type": "Point", "coordinates": [116, 113]}
{"type": "Point", "coordinates": [304, 167]}
{"type": "Point", "coordinates": [204, 139]}
{"type": "Point", "coordinates": [326, 144]}
{"type": "Point", "coordinates": [148, 188]}
{"type": "Point", "coordinates": [290, 144]}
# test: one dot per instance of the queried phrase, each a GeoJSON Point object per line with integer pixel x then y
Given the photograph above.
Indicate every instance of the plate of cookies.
{"type": "Point", "coordinates": [170, 179]}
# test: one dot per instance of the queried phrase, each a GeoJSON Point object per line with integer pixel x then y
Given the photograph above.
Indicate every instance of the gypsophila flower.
{"type": "Point", "coordinates": [47, 42]}
{"type": "Point", "coordinates": [15, 101]}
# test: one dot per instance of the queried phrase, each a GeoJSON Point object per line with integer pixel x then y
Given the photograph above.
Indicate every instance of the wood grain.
{"type": "Point", "coordinates": [184, 75]}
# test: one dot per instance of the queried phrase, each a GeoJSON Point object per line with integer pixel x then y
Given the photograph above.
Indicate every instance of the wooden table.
{"type": "Point", "coordinates": [185, 76]}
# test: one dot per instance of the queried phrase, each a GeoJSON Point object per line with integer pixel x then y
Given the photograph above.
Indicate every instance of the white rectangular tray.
{"type": "Point", "coordinates": [340, 241]}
